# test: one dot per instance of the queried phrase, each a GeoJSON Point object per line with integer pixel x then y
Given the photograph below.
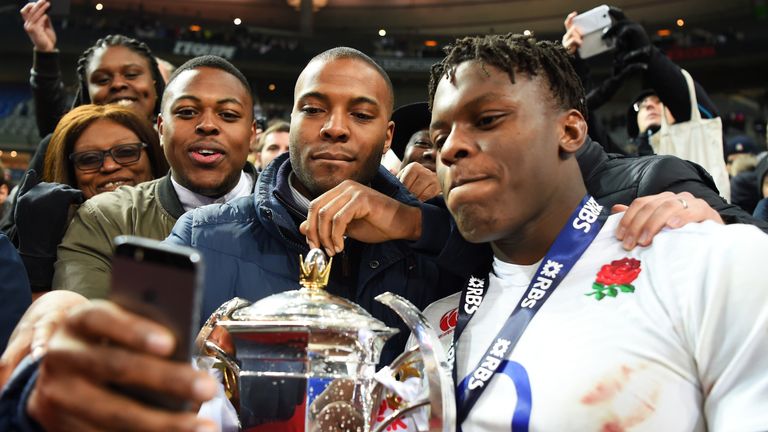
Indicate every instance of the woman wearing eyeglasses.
{"type": "Point", "coordinates": [98, 148]}
{"type": "Point", "coordinates": [94, 149]}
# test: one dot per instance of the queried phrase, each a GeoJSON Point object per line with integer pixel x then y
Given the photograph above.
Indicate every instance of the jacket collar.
{"type": "Point", "coordinates": [274, 180]}
{"type": "Point", "coordinates": [275, 204]}
{"type": "Point", "coordinates": [169, 199]}
{"type": "Point", "coordinates": [590, 156]}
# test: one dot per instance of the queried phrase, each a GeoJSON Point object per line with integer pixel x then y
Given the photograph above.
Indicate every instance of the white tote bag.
{"type": "Point", "coordinates": [697, 140]}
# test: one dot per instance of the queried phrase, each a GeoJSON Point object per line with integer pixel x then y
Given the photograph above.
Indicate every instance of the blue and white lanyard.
{"type": "Point", "coordinates": [574, 238]}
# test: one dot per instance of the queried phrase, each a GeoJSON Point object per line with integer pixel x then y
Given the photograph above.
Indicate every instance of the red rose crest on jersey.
{"type": "Point", "coordinates": [448, 320]}
{"type": "Point", "coordinates": [615, 277]}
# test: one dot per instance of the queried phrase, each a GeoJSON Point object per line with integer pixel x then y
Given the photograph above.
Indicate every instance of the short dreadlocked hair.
{"type": "Point", "coordinates": [82, 97]}
{"type": "Point", "coordinates": [515, 53]}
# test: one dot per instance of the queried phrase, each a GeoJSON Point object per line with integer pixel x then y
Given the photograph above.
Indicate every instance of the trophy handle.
{"type": "Point", "coordinates": [202, 344]}
{"type": "Point", "coordinates": [214, 341]}
{"type": "Point", "coordinates": [440, 397]}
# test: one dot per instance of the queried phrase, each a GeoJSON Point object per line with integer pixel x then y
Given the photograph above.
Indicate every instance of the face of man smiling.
{"type": "Point", "coordinates": [340, 124]}
{"type": "Point", "coordinates": [205, 129]}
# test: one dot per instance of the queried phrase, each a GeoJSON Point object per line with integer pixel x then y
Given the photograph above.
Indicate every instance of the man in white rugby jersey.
{"type": "Point", "coordinates": [565, 329]}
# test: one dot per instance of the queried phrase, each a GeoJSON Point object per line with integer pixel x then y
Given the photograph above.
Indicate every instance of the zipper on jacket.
{"type": "Point", "coordinates": [301, 248]}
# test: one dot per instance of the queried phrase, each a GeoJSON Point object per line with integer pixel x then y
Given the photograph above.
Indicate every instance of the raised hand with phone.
{"type": "Point", "coordinates": [601, 30]}
{"type": "Point", "coordinates": [632, 43]}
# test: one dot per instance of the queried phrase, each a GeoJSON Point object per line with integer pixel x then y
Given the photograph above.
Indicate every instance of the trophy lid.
{"type": "Point", "coordinates": [310, 307]}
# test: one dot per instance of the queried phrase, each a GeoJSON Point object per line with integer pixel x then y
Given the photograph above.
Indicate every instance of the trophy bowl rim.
{"type": "Point", "coordinates": [277, 326]}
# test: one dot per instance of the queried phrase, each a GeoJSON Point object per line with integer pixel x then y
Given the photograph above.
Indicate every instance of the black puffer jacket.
{"type": "Point", "coordinates": [616, 179]}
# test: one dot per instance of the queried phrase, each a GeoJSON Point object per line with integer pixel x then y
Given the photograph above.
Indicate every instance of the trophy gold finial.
{"type": "Point", "coordinates": [314, 271]}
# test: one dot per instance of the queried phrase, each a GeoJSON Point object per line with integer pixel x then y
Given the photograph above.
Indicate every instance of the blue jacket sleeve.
{"type": "Point", "coordinates": [14, 289]}
{"type": "Point", "coordinates": [442, 241]}
{"type": "Point", "coordinates": [14, 396]}
{"type": "Point", "coordinates": [435, 228]}
{"type": "Point", "coordinates": [182, 231]}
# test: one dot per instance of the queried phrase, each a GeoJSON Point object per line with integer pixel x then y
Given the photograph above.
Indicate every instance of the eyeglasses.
{"type": "Point", "coordinates": [123, 154]}
{"type": "Point", "coordinates": [645, 103]}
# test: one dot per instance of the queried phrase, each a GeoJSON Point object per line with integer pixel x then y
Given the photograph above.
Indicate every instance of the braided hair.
{"type": "Point", "coordinates": [82, 97]}
{"type": "Point", "coordinates": [515, 53]}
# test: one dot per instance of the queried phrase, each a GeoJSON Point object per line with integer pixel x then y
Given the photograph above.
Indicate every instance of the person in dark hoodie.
{"type": "Point", "coordinates": [663, 82]}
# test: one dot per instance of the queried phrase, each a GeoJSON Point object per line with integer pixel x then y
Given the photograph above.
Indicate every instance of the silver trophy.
{"type": "Point", "coordinates": [305, 360]}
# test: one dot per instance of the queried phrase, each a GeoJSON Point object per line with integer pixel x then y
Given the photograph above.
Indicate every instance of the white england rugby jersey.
{"type": "Point", "coordinates": [680, 346]}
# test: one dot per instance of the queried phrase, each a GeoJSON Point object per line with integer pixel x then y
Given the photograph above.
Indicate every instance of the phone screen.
{"type": "Point", "coordinates": [59, 8]}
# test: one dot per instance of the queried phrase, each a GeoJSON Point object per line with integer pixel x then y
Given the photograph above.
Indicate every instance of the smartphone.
{"type": "Point", "coordinates": [162, 282]}
{"type": "Point", "coordinates": [58, 8]}
{"type": "Point", "coordinates": [592, 25]}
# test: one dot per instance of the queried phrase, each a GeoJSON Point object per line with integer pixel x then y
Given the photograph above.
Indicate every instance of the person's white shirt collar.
{"type": "Point", "coordinates": [301, 200]}
{"type": "Point", "coordinates": [191, 200]}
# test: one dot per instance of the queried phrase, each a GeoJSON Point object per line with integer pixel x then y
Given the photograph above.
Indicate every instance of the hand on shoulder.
{"type": "Point", "coordinates": [646, 216]}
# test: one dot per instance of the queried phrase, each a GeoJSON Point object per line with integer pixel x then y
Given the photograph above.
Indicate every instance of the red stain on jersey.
{"type": "Point", "coordinates": [612, 426]}
{"type": "Point", "coordinates": [625, 403]}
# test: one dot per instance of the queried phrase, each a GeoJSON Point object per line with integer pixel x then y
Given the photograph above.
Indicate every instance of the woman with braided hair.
{"type": "Point", "coordinates": [122, 57]}
{"type": "Point", "coordinates": [116, 69]}
{"type": "Point", "coordinates": [122, 70]}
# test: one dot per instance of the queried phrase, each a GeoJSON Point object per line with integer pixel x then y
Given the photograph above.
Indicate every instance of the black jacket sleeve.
{"type": "Point", "coordinates": [8, 221]}
{"type": "Point", "coordinates": [676, 175]}
{"type": "Point", "coordinates": [442, 242]}
{"type": "Point", "coordinates": [47, 91]}
{"type": "Point", "coordinates": [666, 78]}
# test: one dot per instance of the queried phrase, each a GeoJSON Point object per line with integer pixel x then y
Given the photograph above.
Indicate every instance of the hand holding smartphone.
{"type": "Point", "coordinates": [58, 7]}
{"type": "Point", "coordinates": [161, 282]}
{"type": "Point", "coordinates": [592, 25]}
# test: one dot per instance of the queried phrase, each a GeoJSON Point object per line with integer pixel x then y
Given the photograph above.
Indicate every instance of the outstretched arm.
{"type": "Point", "coordinates": [45, 80]}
